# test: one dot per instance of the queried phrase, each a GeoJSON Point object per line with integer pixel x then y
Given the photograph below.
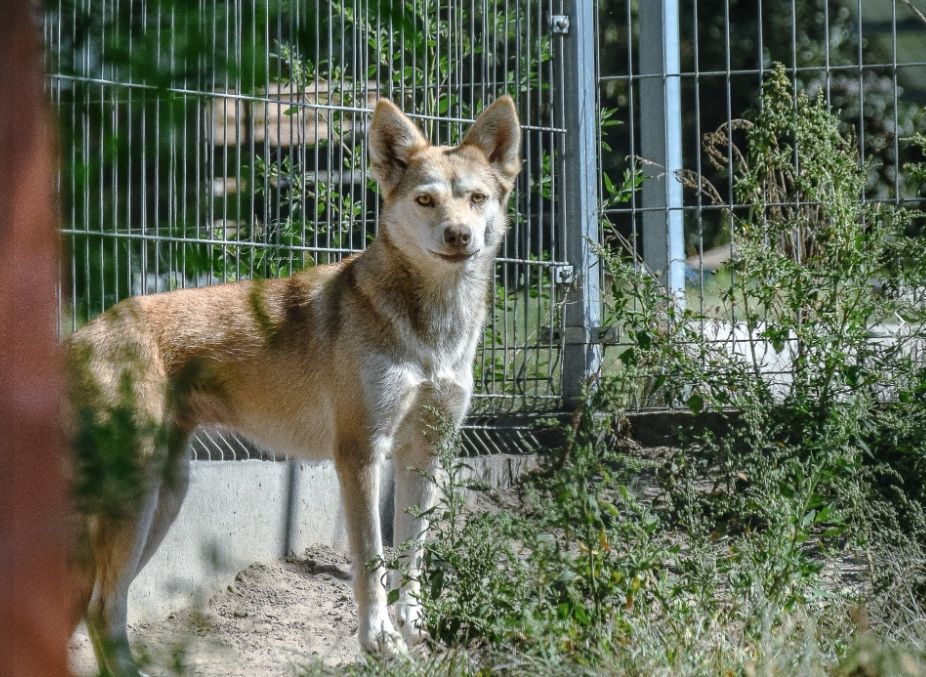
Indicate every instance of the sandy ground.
{"type": "Point", "coordinates": [275, 618]}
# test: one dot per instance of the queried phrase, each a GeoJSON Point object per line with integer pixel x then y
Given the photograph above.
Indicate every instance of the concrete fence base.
{"type": "Point", "coordinates": [238, 512]}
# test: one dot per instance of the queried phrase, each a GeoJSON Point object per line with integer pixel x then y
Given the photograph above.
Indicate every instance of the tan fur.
{"type": "Point", "coordinates": [339, 361]}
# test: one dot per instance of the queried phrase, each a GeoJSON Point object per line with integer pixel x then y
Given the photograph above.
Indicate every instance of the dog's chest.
{"type": "Point", "coordinates": [438, 368]}
{"type": "Point", "coordinates": [446, 358]}
{"type": "Point", "coordinates": [422, 377]}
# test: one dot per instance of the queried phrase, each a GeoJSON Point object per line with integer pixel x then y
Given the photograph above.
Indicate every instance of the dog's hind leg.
{"type": "Point", "coordinates": [134, 542]}
{"type": "Point", "coordinates": [119, 542]}
{"type": "Point", "coordinates": [358, 467]}
{"type": "Point", "coordinates": [172, 491]}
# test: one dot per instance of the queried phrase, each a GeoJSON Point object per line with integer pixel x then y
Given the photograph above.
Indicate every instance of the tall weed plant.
{"type": "Point", "coordinates": [833, 289]}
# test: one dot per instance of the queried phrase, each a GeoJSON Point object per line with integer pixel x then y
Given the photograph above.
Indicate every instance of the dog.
{"type": "Point", "coordinates": [348, 361]}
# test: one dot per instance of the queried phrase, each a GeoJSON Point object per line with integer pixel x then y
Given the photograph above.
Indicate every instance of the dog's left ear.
{"type": "Point", "coordinates": [497, 133]}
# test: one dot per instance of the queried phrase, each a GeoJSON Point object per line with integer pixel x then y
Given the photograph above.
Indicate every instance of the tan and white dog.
{"type": "Point", "coordinates": [342, 361]}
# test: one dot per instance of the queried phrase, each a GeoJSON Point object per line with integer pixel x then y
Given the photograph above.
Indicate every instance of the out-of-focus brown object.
{"type": "Point", "coordinates": [36, 600]}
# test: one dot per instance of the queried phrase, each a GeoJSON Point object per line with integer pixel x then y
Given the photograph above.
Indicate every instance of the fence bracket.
{"type": "Point", "coordinates": [559, 24]}
{"type": "Point", "coordinates": [565, 274]}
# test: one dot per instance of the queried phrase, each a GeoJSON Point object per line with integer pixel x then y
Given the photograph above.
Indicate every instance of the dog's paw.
{"type": "Point", "coordinates": [387, 643]}
{"type": "Point", "coordinates": [379, 636]}
{"type": "Point", "coordinates": [410, 617]}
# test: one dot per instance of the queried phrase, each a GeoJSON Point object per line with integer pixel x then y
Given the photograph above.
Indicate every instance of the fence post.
{"type": "Point", "coordinates": [661, 143]}
{"type": "Point", "coordinates": [582, 352]}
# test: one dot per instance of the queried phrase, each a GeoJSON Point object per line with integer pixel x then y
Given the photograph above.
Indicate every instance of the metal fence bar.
{"type": "Point", "coordinates": [661, 143]}
{"type": "Point", "coordinates": [582, 351]}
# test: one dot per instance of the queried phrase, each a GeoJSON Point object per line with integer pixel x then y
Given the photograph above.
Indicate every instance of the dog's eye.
{"type": "Point", "coordinates": [478, 198]}
{"type": "Point", "coordinates": [424, 200]}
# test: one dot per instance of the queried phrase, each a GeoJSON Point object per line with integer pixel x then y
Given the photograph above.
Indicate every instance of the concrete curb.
{"type": "Point", "coordinates": [235, 513]}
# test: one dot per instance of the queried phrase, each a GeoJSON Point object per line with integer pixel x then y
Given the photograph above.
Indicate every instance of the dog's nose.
{"type": "Point", "coordinates": [458, 236]}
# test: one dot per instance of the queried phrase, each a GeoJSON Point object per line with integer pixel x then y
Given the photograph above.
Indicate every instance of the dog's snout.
{"type": "Point", "coordinates": [458, 236]}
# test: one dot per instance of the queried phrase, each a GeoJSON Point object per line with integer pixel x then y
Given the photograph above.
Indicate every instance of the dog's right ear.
{"type": "Point", "coordinates": [394, 139]}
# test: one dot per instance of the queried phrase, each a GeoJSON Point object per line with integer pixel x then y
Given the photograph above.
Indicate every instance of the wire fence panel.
{"type": "Point", "coordinates": [206, 142]}
{"type": "Point", "coordinates": [672, 73]}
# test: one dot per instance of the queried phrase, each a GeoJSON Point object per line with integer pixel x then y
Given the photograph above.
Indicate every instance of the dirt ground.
{"type": "Point", "coordinates": [276, 617]}
{"type": "Point", "coordinates": [273, 619]}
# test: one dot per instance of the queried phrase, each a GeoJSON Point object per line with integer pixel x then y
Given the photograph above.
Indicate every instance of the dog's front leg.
{"type": "Point", "coordinates": [415, 466]}
{"type": "Point", "coordinates": [358, 467]}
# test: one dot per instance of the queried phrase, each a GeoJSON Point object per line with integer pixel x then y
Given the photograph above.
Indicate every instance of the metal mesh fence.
{"type": "Point", "coordinates": [671, 73]}
{"type": "Point", "coordinates": [208, 142]}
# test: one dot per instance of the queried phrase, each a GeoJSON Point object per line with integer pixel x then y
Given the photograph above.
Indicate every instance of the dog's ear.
{"type": "Point", "coordinates": [394, 139]}
{"type": "Point", "coordinates": [497, 133]}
